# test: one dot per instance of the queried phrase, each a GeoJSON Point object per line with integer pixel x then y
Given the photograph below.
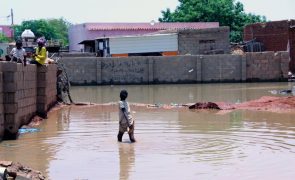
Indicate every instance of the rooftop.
{"type": "Point", "coordinates": [150, 26]}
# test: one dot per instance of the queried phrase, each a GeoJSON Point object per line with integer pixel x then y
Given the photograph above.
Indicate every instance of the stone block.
{"type": "Point", "coordinates": [9, 76]}
{"type": "Point", "coordinates": [41, 107]}
{"type": "Point", "coordinates": [9, 87]}
{"type": "Point", "coordinates": [19, 67]}
{"type": "Point", "coordinates": [41, 84]}
{"type": "Point", "coordinates": [42, 69]}
{"type": "Point", "coordinates": [1, 109]}
{"type": "Point", "coordinates": [8, 66]}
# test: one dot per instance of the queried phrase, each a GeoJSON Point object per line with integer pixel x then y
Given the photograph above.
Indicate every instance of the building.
{"type": "Point", "coordinates": [275, 36]}
{"type": "Point", "coordinates": [89, 31]}
{"type": "Point", "coordinates": [163, 43]}
{"type": "Point", "coordinates": [6, 30]}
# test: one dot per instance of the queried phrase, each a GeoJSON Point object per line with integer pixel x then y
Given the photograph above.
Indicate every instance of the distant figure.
{"type": "Point", "coordinates": [126, 122]}
{"type": "Point", "coordinates": [18, 54]}
{"type": "Point", "coordinates": [39, 57]}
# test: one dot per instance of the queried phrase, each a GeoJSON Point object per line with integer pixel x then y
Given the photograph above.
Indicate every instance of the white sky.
{"type": "Point", "coordinates": [77, 11]}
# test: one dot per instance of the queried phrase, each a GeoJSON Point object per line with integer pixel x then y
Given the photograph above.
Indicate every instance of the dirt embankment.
{"type": "Point", "coordinates": [265, 103]}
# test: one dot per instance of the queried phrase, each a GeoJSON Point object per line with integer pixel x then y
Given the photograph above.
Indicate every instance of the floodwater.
{"type": "Point", "coordinates": [80, 142]}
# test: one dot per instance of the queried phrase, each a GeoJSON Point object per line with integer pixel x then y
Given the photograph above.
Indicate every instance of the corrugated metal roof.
{"type": "Point", "coordinates": [149, 26]}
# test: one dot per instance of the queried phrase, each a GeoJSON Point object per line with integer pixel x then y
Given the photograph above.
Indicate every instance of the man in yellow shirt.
{"type": "Point", "coordinates": [40, 54]}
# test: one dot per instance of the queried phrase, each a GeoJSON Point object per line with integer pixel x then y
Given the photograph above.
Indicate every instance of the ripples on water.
{"type": "Point", "coordinates": [80, 143]}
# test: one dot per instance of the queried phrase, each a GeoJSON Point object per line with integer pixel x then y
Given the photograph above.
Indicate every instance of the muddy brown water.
{"type": "Point", "coordinates": [80, 142]}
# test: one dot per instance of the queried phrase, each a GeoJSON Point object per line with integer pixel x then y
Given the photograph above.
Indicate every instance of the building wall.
{"type": "Point", "coordinates": [144, 44]}
{"type": "Point", "coordinates": [78, 33]}
{"type": "Point", "coordinates": [24, 94]}
{"type": "Point", "coordinates": [204, 41]}
{"type": "Point", "coordinates": [267, 65]}
{"type": "Point", "coordinates": [6, 30]}
{"type": "Point", "coordinates": [292, 45]}
{"type": "Point", "coordinates": [1, 105]}
{"type": "Point", "coordinates": [275, 35]}
{"type": "Point", "coordinates": [3, 50]}
{"type": "Point", "coordinates": [178, 69]}
{"type": "Point", "coordinates": [46, 88]}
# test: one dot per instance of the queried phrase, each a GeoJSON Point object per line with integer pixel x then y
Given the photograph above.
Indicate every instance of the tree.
{"type": "Point", "coordinates": [49, 28]}
{"type": "Point", "coordinates": [61, 27]}
{"type": "Point", "coordinates": [3, 38]}
{"type": "Point", "coordinates": [226, 12]}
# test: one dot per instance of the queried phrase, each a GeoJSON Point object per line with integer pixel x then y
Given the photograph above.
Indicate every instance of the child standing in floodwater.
{"type": "Point", "coordinates": [126, 122]}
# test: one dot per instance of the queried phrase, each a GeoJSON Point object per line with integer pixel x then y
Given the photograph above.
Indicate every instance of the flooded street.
{"type": "Point", "coordinates": [81, 143]}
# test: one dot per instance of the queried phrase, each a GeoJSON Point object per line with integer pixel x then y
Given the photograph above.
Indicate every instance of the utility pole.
{"type": "Point", "coordinates": [11, 15]}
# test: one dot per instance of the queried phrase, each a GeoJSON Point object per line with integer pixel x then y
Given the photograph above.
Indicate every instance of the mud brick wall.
{"type": "Point", "coordinates": [46, 88]}
{"type": "Point", "coordinates": [267, 66]}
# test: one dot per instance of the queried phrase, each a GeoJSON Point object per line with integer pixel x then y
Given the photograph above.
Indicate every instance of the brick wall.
{"type": "Point", "coordinates": [292, 45]}
{"type": "Point", "coordinates": [204, 41]}
{"type": "Point", "coordinates": [46, 88]}
{"type": "Point", "coordinates": [19, 98]}
{"type": "Point", "coordinates": [178, 69]}
{"type": "Point", "coordinates": [267, 65]}
{"type": "Point", "coordinates": [1, 104]}
{"type": "Point", "coordinates": [19, 94]}
{"type": "Point", "coordinates": [275, 36]}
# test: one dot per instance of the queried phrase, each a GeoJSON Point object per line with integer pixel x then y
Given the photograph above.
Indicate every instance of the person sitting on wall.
{"type": "Point", "coordinates": [40, 55]}
{"type": "Point", "coordinates": [18, 54]}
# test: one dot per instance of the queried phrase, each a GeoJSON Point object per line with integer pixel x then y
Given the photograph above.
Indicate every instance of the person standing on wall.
{"type": "Point", "coordinates": [18, 53]}
{"type": "Point", "coordinates": [39, 57]}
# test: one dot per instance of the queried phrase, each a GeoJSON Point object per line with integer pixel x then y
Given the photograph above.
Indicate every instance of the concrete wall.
{"type": "Point", "coordinates": [23, 94]}
{"type": "Point", "coordinates": [267, 66]}
{"type": "Point", "coordinates": [204, 41]}
{"type": "Point", "coordinates": [1, 105]}
{"type": "Point", "coordinates": [19, 94]}
{"type": "Point", "coordinates": [178, 69]}
{"type": "Point", "coordinates": [46, 88]}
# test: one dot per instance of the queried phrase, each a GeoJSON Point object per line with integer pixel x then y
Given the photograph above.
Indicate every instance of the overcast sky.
{"type": "Point", "coordinates": [80, 11]}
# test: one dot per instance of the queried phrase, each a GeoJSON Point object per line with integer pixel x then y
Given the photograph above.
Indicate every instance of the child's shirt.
{"type": "Point", "coordinates": [18, 53]}
{"type": "Point", "coordinates": [122, 119]}
{"type": "Point", "coordinates": [41, 55]}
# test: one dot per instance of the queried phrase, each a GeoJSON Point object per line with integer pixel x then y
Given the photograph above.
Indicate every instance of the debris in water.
{"type": "Point", "coordinates": [28, 130]}
{"type": "Point", "coordinates": [204, 105]}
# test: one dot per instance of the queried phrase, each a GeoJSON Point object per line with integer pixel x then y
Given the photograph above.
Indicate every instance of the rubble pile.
{"type": "Point", "coordinates": [14, 170]}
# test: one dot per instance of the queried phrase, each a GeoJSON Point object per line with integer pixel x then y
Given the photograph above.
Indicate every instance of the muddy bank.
{"type": "Point", "coordinates": [15, 170]}
{"type": "Point", "coordinates": [269, 103]}
{"type": "Point", "coordinates": [265, 103]}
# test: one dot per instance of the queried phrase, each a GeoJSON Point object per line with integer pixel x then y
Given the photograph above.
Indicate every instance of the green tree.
{"type": "Point", "coordinates": [226, 12]}
{"type": "Point", "coordinates": [3, 38]}
{"type": "Point", "coordinates": [49, 28]}
{"type": "Point", "coordinates": [61, 27]}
